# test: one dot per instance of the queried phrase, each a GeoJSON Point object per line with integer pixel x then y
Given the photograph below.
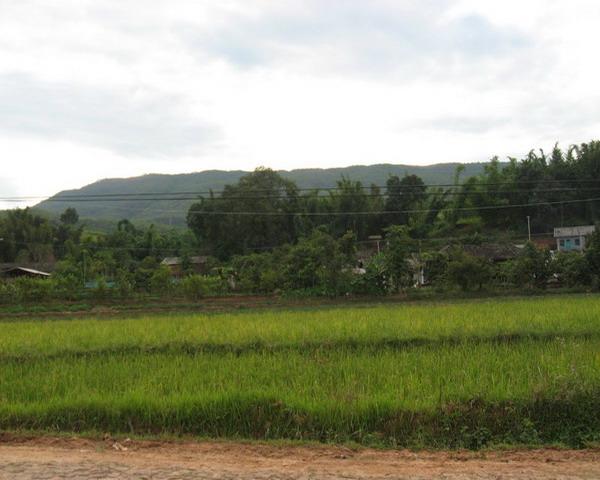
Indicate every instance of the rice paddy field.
{"type": "Point", "coordinates": [457, 375]}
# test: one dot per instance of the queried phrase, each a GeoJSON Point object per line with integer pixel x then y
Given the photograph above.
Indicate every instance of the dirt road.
{"type": "Point", "coordinates": [47, 458]}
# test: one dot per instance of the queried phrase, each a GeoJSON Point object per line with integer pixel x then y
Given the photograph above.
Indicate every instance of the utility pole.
{"type": "Point", "coordinates": [529, 227]}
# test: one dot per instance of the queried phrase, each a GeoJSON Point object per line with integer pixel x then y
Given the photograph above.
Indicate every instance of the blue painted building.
{"type": "Point", "coordinates": [572, 239]}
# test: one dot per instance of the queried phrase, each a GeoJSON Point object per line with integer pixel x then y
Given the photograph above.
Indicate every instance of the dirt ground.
{"type": "Point", "coordinates": [64, 458]}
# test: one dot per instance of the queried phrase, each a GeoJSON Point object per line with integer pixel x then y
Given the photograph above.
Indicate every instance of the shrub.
{"type": "Point", "coordinates": [468, 272]}
{"type": "Point", "coordinates": [161, 280]}
{"type": "Point", "coordinates": [33, 289]}
{"type": "Point", "coordinates": [254, 273]}
{"type": "Point", "coordinates": [101, 291]}
{"type": "Point", "coordinates": [572, 269]}
{"type": "Point", "coordinates": [8, 292]}
{"type": "Point", "coordinates": [124, 283]}
{"type": "Point", "coordinates": [144, 273]}
{"type": "Point", "coordinates": [68, 286]}
{"type": "Point", "coordinates": [504, 273]}
{"type": "Point", "coordinates": [269, 281]}
{"type": "Point", "coordinates": [196, 287]}
{"type": "Point", "coordinates": [436, 266]}
{"type": "Point", "coordinates": [375, 281]}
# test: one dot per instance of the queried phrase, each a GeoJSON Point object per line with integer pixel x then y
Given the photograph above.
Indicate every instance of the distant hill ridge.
{"type": "Point", "coordinates": [173, 212]}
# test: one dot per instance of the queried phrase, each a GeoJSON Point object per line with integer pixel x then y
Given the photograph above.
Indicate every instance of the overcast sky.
{"type": "Point", "coordinates": [110, 88]}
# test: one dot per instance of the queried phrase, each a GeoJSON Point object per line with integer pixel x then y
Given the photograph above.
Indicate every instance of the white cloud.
{"type": "Point", "coordinates": [138, 121]}
{"type": "Point", "coordinates": [111, 88]}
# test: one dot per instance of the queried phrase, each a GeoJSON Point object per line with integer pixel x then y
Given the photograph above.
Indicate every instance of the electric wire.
{"type": "Point", "coordinates": [193, 195]}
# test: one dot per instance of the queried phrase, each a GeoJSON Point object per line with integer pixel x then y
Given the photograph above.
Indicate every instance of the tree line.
{"type": "Point", "coordinates": [264, 235]}
{"type": "Point", "coordinates": [263, 210]}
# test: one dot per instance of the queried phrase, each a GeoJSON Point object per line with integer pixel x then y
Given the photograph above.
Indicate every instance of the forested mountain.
{"type": "Point", "coordinates": [172, 211]}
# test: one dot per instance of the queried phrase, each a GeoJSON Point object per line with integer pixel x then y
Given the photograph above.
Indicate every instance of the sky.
{"type": "Point", "coordinates": [93, 89]}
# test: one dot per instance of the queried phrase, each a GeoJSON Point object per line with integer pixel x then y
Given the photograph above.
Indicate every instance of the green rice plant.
{"type": "Point", "coordinates": [454, 375]}
{"type": "Point", "coordinates": [375, 326]}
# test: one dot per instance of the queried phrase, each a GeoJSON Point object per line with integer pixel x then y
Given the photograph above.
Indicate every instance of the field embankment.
{"type": "Point", "coordinates": [456, 375]}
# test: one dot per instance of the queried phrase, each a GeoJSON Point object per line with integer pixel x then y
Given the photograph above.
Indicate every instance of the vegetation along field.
{"type": "Point", "coordinates": [442, 375]}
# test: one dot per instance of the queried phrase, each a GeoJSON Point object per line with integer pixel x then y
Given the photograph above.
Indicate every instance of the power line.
{"type": "Point", "coordinates": [377, 212]}
{"type": "Point", "coordinates": [118, 198]}
{"type": "Point", "coordinates": [194, 194]}
{"type": "Point", "coordinates": [391, 212]}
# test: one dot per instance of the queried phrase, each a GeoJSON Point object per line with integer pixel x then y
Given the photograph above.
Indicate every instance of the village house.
{"type": "Point", "coordinates": [19, 272]}
{"type": "Point", "coordinates": [367, 249]}
{"type": "Point", "coordinates": [572, 239]}
{"type": "Point", "coordinates": [178, 267]}
{"type": "Point", "coordinates": [544, 242]}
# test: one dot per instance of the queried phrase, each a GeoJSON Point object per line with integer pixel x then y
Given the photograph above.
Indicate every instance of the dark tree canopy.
{"type": "Point", "coordinates": [253, 215]}
{"type": "Point", "coordinates": [69, 217]}
{"type": "Point", "coordinates": [403, 194]}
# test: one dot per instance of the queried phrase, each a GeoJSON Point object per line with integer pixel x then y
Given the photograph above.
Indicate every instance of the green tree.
{"type": "Point", "coordinates": [403, 194]}
{"type": "Point", "coordinates": [68, 278]}
{"type": "Point", "coordinates": [161, 280]}
{"type": "Point", "coordinates": [397, 252]}
{"type": "Point", "coordinates": [224, 226]}
{"type": "Point", "coordinates": [256, 273]}
{"type": "Point", "coordinates": [69, 217]}
{"type": "Point", "coordinates": [144, 273]}
{"type": "Point", "coordinates": [26, 237]}
{"type": "Point", "coordinates": [436, 266]}
{"type": "Point", "coordinates": [468, 272]}
{"type": "Point", "coordinates": [532, 267]}
{"type": "Point", "coordinates": [572, 269]}
{"type": "Point", "coordinates": [124, 283]}
{"type": "Point", "coordinates": [592, 254]}
{"type": "Point", "coordinates": [348, 199]}
{"type": "Point", "coordinates": [317, 263]}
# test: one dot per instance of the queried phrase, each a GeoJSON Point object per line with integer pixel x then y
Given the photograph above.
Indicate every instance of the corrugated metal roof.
{"type": "Point", "coordinates": [574, 231]}
{"type": "Point", "coordinates": [170, 261]}
{"type": "Point", "coordinates": [27, 270]}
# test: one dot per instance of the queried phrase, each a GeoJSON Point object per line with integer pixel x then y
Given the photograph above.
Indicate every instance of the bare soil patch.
{"type": "Point", "coordinates": [70, 458]}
